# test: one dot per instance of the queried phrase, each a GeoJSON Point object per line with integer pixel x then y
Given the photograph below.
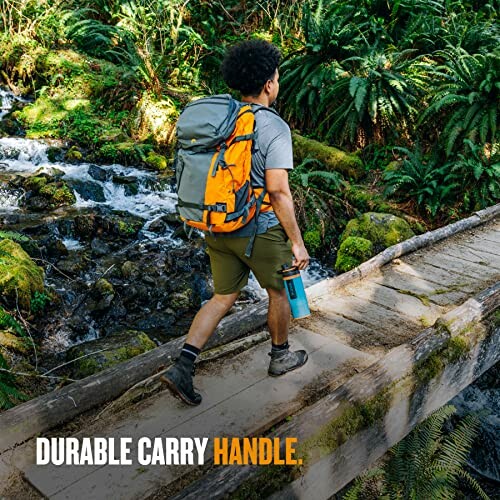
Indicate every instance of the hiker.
{"type": "Point", "coordinates": [251, 67]}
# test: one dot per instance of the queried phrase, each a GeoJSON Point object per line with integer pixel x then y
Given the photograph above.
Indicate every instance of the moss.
{"type": "Point", "coordinates": [35, 183]}
{"type": "Point", "coordinates": [156, 161]}
{"type": "Point", "coordinates": [73, 155]}
{"type": "Point", "coordinates": [127, 228]}
{"type": "Point", "coordinates": [312, 240]}
{"type": "Point", "coordinates": [383, 230]}
{"type": "Point", "coordinates": [332, 158]}
{"type": "Point", "coordinates": [356, 417]}
{"type": "Point", "coordinates": [422, 297]}
{"type": "Point", "coordinates": [20, 277]}
{"type": "Point", "coordinates": [352, 252]}
{"type": "Point", "coordinates": [104, 287]}
{"type": "Point", "coordinates": [454, 349]}
{"type": "Point", "coordinates": [111, 352]}
{"type": "Point", "coordinates": [58, 193]}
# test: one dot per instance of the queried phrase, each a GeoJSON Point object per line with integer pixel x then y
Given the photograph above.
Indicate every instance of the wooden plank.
{"type": "Point", "coordinates": [484, 244]}
{"type": "Point", "coordinates": [460, 266]}
{"type": "Point", "coordinates": [436, 275]}
{"type": "Point", "coordinates": [476, 255]}
{"type": "Point", "coordinates": [397, 327]}
{"type": "Point", "coordinates": [239, 399]}
{"type": "Point", "coordinates": [405, 304]}
{"type": "Point", "coordinates": [347, 331]}
{"type": "Point", "coordinates": [413, 284]}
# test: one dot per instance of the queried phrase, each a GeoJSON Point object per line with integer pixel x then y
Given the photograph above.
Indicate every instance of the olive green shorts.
{"type": "Point", "coordinates": [230, 267]}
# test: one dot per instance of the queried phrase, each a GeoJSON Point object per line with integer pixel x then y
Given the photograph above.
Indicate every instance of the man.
{"type": "Point", "coordinates": [252, 68]}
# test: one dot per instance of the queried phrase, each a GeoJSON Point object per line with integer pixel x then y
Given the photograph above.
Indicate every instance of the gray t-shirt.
{"type": "Point", "coordinates": [272, 149]}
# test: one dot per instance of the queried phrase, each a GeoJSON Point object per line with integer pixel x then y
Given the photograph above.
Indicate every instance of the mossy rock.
{"type": "Point", "coordinates": [35, 183]}
{"type": "Point", "coordinates": [115, 348]}
{"type": "Point", "coordinates": [332, 158]}
{"type": "Point", "coordinates": [58, 194]}
{"type": "Point", "coordinates": [74, 155]}
{"type": "Point", "coordinates": [20, 277]}
{"type": "Point", "coordinates": [383, 230]}
{"type": "Point", "coordinates": [352, 252]}
{"type": "Point", "coordinates": [156, 162]}
{"type": "Point", "coordinates": [13, 343]}
{"type": "Point", "coordinates": [313, 240]}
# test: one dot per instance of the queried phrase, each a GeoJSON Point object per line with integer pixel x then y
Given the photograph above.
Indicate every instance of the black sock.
{"type": "Point", "coordinates": [189, 352]}
{"type": "Point", "coordinates": [279, 347]}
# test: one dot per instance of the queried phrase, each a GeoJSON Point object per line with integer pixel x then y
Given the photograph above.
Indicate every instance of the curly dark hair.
{"type": "Point", "coordinates": [248, 65]}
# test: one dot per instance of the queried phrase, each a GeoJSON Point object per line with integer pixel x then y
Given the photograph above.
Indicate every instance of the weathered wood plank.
{"type": "Point", "coordinates": [402, 303]}
{"type": "Point", "coordinates": [420, 287]}
{"type": "Point", "coordinates": [458, 265]}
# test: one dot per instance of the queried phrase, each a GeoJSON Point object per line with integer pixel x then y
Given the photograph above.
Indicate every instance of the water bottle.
{"type": "Point", "coordinates": [295, 291]}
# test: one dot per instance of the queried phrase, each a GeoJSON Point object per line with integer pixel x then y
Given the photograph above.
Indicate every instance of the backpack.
{"type": "Point", "coordinates": [215, 138]}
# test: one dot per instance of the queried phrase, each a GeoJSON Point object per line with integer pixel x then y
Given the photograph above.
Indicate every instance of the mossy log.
{"type": "Point", "coordinates": [348, 164]}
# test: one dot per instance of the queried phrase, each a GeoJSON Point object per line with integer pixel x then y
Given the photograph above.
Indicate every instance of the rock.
{"type": "Point", "coordinates": [73, 155]}
{"type": "Point", "coordinates": [352, 252]}
{"type": "Point", "coordinates": [56, 248]}
{"type": "Point", "coordinates": [156, 162]}
{"type": "Point", "coordinates": [115, 348]}
{"type": "Point", "coordinates": [88, 190]}
{"type": "Point", "coordinates": [37, 203]}
{"type": "Point", "coordinates": [73, 264]}
{"type": "Point", "coordinates": [99, 247]}
{"type": "Point", "coordinates": [157, 226]}
{"type": "Point", "coordinates": [129, 269]}
{"type": "Point", "coordinates": [483, 399]}
{"type": "Point", "coordinates": [129, 183]}
{"type": "Point", "coordinates": [99, 173]}
{"type": "Point", "coordinates": [383, 230]}
{"type": "Point", "coordinates": [20, 277]}
{"type": "Point", "coordinates": [55, 191]}
{"type": "Point", "coordinates": [55, 154]}
{"type": "Point", "coordinates": [332, 158]}
{"type": "Point", "coordinates": [10, 126]}
{"type": "Point", "coordinates": [103, 293]}
{"type": "Point", "coordinates": [85, 225]}
{"type": "Point", "coordinates": [50, 172]}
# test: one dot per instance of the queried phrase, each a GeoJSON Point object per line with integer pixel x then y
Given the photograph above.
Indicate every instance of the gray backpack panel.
{"type": "Point", "coordinates": [205, 123]}
{"type": "Point", "coordinates": [191, 175]}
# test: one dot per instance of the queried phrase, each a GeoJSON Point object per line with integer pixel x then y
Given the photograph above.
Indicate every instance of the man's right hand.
{"type": "Point", "coordinates": [301, 257]}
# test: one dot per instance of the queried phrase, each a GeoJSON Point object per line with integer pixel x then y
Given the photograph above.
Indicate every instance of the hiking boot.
{"type": "Point", "coordinates": [285, 361]}
{"type": "Point", "coordinates": [179, 379]}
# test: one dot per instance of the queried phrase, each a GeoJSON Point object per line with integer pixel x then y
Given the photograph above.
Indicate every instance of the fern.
{"type": "Point", "coordinates": [9, 394]}
{"type": "Point", "coordinates": [426, 464]}
{"type": "Point", "coordinates": [12, 235]}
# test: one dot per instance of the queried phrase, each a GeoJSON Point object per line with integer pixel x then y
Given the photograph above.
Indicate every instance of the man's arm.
{"type": "Point", "coordinates": [281, 199]}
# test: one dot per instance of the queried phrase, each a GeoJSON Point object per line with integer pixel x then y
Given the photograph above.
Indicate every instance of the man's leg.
{"type": "Point", "coordinates": [278, 319]}
{"type": "Point", "coordinates": [208, 317]}
{"type": "Point", "coordinates": [179, 377]}
{"type": "Point", "coordinates": [278, 316]}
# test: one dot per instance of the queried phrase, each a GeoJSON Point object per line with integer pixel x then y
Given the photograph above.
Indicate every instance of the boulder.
{"type": "Point", "coordinates": [333, 159]}
{"type": "Point", "coordinates": [99, 173]}
{"type": "Point", "coordinates": [88, 190]}
{"type": "Point", "coordinates": [20, 277]}
{"type": "Point", "coordinates": [114, 349]}
{"type": "Point", "coordinates": [352, 252]}
{"type": "Point", "coordinates": [383, 230]}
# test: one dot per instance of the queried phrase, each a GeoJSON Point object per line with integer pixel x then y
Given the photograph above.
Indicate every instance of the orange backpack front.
{"type": "Point", "coordinates": [215, 138]}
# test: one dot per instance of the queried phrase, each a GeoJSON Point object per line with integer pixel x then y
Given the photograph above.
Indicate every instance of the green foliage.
{"type": "Point", "coordinates": [427, 179]}
{"type": "Point", "coordinates": [479, 176]}
{"type": "Point", "coordinates": [467, 89]}
{"type": "Point", "coordinates": [9, 394]}
{"type": "Point", "coordinates": [14, 236]}
{"type": "Point", "coordinates": [426, 464]}
{"type": "Point", "coordinates": [39, 301]}
{"type": "Point", "coordinates": [316, 196]}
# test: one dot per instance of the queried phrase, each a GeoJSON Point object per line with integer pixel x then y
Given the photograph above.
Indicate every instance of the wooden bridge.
{"type": "Point", "coordinates": [389, 342]}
